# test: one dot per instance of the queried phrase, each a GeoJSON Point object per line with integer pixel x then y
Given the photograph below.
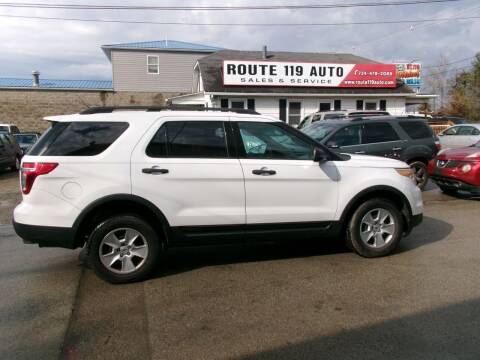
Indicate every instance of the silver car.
{"type": "Point", "coordinates": [459, 136]}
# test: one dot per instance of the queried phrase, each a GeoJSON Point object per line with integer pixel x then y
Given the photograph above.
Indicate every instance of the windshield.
{"type": "Point", "coordinates": [319, 131]}
{"type": "Point", "coordinates": [26, 139]}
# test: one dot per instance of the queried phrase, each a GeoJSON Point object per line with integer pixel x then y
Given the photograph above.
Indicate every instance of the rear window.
{"type": "Point", "coordinates": [416, 129]}
{"type": "Point", "coordinates": [78, 138]}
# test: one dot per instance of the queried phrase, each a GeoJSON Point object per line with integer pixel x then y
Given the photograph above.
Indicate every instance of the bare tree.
{"type": "Point", "coordinates": [438, 81]}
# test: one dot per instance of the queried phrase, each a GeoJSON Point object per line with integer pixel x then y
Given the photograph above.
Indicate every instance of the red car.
{"type": "Point", "coordinates": [457, 169]}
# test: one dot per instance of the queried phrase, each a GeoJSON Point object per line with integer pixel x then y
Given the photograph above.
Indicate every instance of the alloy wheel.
{"type": "Point", "coordinates": [377, 228]}
{"type": "Point", "coordinates": [123, 250]}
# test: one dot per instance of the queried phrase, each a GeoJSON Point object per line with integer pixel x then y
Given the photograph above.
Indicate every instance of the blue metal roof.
{"type": "Point", "coordinates": [57, 84]}
{"type": "Point", "coordinates": [172, 45]}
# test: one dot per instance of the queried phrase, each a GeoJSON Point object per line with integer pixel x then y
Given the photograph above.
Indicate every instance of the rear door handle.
{"type": "Point", "coordinates": [154, 170]}
{"type": "Point", "coordinates": [264, 172]}
{"type": "Point", "coordinates": [359, 152]}
{"type": "Point", "coordinates": [397, 148]}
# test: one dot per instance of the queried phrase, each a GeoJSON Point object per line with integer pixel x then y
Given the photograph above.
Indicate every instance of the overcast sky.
{"type": "Point", "coordinates": [71, 50]}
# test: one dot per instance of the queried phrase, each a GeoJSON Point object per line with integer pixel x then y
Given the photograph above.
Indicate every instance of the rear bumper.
{"type": "Point", "coordinates": [46, 236]}
{"type": "Point", "coordinates": [455, 184]}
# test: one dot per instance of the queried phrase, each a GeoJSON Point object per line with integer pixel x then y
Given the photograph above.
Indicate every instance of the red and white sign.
{"type": "Point", "coordinates": [296, 74]}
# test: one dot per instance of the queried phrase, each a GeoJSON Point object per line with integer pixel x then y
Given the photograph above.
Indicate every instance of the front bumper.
{"type": "Point", "coordinates": [455, 184]}
{"type": "Point", "coordinates": [46, 236]}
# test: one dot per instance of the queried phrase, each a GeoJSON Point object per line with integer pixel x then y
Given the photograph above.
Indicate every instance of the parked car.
{"type": "Point", "coordinates": [9, 129]}
{"type": "Point", "coordinates": [457, 169]}
{"type": "Point", "coordinates": [129, 187]}
{"type": "Point", "coordinates": [407, 139]}
{"type": "Point", "coordinates": [342, 114]}
{"type": "Point", "coordinates": [460, 136]}
{"type": "Point", "coordinates": [10, 152]}
{"type": "Point", "coordinates": [26, 140]}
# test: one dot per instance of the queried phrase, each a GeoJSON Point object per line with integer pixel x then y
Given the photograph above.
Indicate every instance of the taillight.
{"type": "Point", "coordinates": [438, 145]}
{"type": "Point", "coordinates": [30, 171]}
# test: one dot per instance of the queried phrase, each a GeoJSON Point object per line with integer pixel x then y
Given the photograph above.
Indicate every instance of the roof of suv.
{"type": "Point", "coordinates": [368, 119]}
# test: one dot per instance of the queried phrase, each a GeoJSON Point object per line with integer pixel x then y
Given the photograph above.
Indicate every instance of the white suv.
{"type": "Point", "coordinates": [127, 185]}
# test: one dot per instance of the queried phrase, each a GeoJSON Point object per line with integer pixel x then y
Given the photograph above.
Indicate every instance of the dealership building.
{"type": "Point", "coordinates": [291, 85]}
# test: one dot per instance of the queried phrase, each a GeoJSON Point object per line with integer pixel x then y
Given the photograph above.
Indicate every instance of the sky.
{"type": "Point", "coordinates": [71, 50]}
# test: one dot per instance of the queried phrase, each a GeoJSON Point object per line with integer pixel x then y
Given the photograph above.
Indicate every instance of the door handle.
{"type": "Point", "coordinates": [264, 172]}
{"type": "Point", "coordinates": [397, 148]}
{"type": "Point", "coordinates": [154, 170]}
{"type": "Point", "coordinates": [359, 152]}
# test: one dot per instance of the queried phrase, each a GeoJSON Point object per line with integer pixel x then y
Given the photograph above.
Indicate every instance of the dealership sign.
{"type": "Point", "coordinates": [298, 74]}
{"type": "Point", "coordinates": [409, 73]}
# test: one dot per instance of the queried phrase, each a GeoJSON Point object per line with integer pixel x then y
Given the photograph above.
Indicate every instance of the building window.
{"type": "Point", "coordinates": [153, 65]}
{"type": "Point", "coordinates": [370, 105]}
{"type": "Point", "coordinates": [325, 105]}
{"type": "Point", "coordinates": [359, 104]}
{"type": "Point", "coordinates": [237, 103]}
{"type": "Point", "coordinates": [294, 112]}
{"type": "Point", "coordinates": [383, 105]}
{"type": "Point", "coordinates": [337, 105]}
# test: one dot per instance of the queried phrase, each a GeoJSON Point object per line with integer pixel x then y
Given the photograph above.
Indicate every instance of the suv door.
{"type": "Point", "coordinates": [282, 182]}
{"type": "Point", "coordinates": [381, 139]}
{"type": "Point", "coordinates": [185, 168]}
{"type": "Point", "coordinates": [4, 161]}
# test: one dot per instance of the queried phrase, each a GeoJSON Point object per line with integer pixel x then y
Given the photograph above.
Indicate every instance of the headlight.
{"type": "Point", "coordinates": [466, 168]}
{"type": "Point", "coordinates": [407, 172]}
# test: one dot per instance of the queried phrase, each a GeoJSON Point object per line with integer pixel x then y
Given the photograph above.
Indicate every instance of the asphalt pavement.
{"type": "Point", "coordinates": [262, 301]}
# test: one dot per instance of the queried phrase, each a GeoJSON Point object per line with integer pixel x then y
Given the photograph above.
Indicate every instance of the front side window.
{"type": "Point", "coordinates": [78, 138]}
{"type": "Point", "coordinates": [189, 139]}
{"type": "Point", "coordinates": [452, 131]}
{"type": "Point", "coordinates": [347, 136]}
{"type": "Point", "coordinates": [378, 132]}
{"type": "Point", "coordinates": [153, 64]}
{"type": "Point", "coordinates": [320, 130]}
{"type": "Point", "coordinates": [269, 141]}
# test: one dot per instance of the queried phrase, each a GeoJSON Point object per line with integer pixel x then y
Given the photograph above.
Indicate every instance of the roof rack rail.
{"type": "Point", "coordinates": [110, 109]}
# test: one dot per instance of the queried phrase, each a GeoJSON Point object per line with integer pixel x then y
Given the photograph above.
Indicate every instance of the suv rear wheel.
{"type": "Point", "coordinates": [124, 249]}
{"type": "Point", "coordinates": [420, 172]}
{"type": "Point", "coordinates": [375, 228]}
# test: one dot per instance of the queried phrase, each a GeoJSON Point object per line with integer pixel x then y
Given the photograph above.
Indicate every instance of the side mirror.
{"type": "Point", "coordinates": [332, 145]}
{"type": "Point", "coordinates": [320, 156]}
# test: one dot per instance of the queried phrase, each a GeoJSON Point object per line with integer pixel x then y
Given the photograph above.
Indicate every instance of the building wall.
{"type": "Point", "coordinates": [26, 108]}
{"type": "Point", "coordinates": [269, 105]}
{"type": "Point", "coordinates": [176, 71]}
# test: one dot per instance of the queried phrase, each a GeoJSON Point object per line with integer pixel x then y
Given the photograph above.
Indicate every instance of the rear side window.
{"type": "Point", "coordinates": [78, 138]}
{"type": "Point", "coordinates": [189, 139]}
{"type": "Point", "coordinates": [416, 129]}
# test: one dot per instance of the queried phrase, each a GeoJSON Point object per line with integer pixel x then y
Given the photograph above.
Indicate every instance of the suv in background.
{"type": "Point", "coordinates": [127, 185]}
{"type": "Point", "coordinates": [341, 114]}
{"type": "Point", "coordinates": [26, 140]}
{"type": "Point", "coordinates": [9, 129]}
{"type": "Point", "coordinates": [407, 139]}
{"type": "Point", "coordinates": [10, 152]}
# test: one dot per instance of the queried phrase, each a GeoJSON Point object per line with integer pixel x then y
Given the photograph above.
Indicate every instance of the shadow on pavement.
{"type": "Point", "coordinates": [449, 332]}
{"type": "Point", "coordinates": [180, 260]}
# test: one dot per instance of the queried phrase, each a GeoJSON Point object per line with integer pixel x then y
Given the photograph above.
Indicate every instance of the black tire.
{"type": "Point", "coordinates": [355, 226]}
{"type": "Point", "coordinates": [16, 165]}
{"type": "Point", "coordinates": [421, 173]}
{"type": "Point", "coordinates": [117, 224]}
{"type": "Point", "coordinates": [448, 191]}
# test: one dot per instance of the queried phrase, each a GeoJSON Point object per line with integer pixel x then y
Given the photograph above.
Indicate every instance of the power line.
{"type": "Point", "coordinates": [450, 63]}
{"type": "Point", "coordinates": [237, 24]}
{"type": "Point", "coordinates": [218, 8]}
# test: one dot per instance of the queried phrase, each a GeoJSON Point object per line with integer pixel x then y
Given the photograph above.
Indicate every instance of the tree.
{"type": "Point", "coordinates": [465, 93]}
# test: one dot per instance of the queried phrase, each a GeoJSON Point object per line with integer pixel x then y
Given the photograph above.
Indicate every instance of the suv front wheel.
{"type": "Point", "coordinates": [375, 228]}
{"type": "Point", "coordinates": [124, 249]}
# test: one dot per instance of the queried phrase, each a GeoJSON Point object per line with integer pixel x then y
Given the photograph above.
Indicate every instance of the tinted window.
{"type": "Point", "coordinates": [26, 138]}
{"type": "Point", "coordinates": [319, 131]}
{"type": "Point", "coordinates": [466, 130]}
{"type": "Point", "coordinates": [78, 138]}
{"type": "Point", "coordinates": [416, 129]}
{"type": "Point", "coordinates": [451, 131]}
{"type": "Point", "coordinates": [3, 129]}
{"type": "Point", "coordinates": [15, 130]}
{"type": "Point", "coordinates": [347, 136]}
{"type": "Point", "coordinates": [378, 132]}
{"type": "Point", "coordinates": [269, 141]}
{"type": "Point", "coordinates": [334, 116]}
{"type": "Point", "coordinates": [189, 139]}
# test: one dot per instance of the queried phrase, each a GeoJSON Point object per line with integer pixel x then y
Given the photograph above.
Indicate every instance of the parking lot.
{"type": "Point", "coordinates": [263, 301]}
